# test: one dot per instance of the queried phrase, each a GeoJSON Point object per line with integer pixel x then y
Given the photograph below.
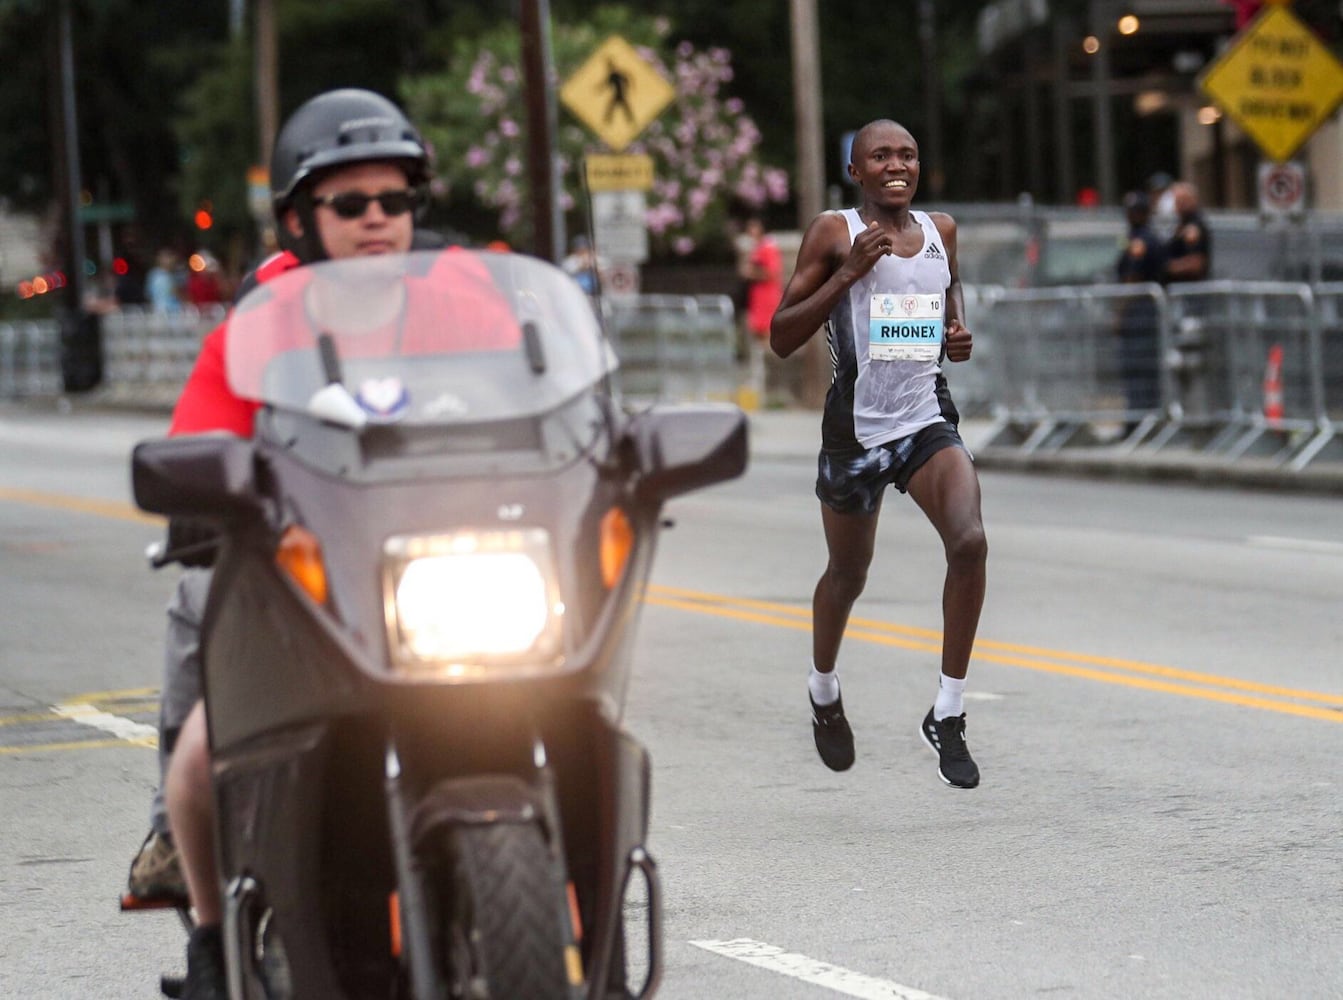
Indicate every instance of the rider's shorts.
{"type": "Point", "coordinates": [851, 480]}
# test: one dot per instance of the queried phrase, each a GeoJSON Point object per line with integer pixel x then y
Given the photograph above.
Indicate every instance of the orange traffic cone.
{"type": "Point", "coordinates": [1273, 384]}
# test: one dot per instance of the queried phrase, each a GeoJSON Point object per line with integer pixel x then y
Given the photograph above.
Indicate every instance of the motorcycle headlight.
{"type": "Point", "coordinates": [473, 604]}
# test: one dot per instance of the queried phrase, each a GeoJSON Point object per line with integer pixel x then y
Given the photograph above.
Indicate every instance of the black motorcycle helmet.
{"type": "Point", "coordinates": [332, 130]}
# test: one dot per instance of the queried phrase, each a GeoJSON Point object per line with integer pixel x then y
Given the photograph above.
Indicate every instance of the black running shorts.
{"type": "Point", "coordinates": [851, 480]}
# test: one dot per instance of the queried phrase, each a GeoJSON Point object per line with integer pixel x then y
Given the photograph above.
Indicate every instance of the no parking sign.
{"type": "Point", "coordinates": [1282, 188]}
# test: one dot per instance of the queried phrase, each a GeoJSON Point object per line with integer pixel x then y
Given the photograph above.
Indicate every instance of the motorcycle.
{"type": "Point", "coordinates": [416, 646]}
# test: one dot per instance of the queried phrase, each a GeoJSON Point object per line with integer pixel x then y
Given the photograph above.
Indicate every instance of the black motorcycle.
{"type": "Point", "coordinates": [416, 644]}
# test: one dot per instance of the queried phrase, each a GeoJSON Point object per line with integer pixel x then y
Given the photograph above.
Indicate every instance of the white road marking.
{"type": "Point", "coordinates": [809, 970]}
{"type": "Point", "coordinates": [1296, 544]}
{"type": "Point", "coordinates": [122, 729]}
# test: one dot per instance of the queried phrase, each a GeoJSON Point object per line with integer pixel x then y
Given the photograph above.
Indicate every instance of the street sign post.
{"type": "Point", "coordinates": [1282, 189]}
{"type": "Point", "coordinates": [617, 94]}
{"type": "Point", "coordinates": [1276, 81]}
{"type": "Point", "coordinates": [628, 172]}
{"type": "Point", "coordinates": [619, 227]}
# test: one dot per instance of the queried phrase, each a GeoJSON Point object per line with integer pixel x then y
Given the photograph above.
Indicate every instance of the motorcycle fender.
{"type": "Point", "coordinates": [476, 800]}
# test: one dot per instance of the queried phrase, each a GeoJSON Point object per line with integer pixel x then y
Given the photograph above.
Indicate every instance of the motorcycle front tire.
{"type": "Point", "coordinates": [506, 915]}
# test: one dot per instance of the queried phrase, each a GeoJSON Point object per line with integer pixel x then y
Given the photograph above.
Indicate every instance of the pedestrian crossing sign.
{"type": "Point", "coordinates": [617, 93]}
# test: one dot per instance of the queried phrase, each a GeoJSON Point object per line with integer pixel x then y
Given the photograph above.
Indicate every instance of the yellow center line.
{"type": "Point", "coordinates": [77, 745]}
{"type": "Point", "coordinates": [1106, 670]}
{"type": "Point", "coordinates": [82, 505]}
{"type": "Point", "coordinates": [28, 717]}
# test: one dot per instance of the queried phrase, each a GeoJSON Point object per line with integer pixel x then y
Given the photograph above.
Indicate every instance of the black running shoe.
{"type": "Point", "coordinates": [947, 739]}
{"type": "Point", "coordinates": [206, 978]}
{"type": "Point", "coordinates": [834, 738]}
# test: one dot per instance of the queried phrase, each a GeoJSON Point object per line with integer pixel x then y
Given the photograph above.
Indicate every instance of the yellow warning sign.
{"type": "Point", "coordinates": [1277, 81]}
{"type": "Point", "coordinates": [626, 172]}
{"type": "Point", "coordinates": [617, 93]}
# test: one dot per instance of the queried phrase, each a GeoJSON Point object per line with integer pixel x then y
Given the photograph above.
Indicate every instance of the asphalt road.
{"type": "Point", "coordinates": [1156, 707]}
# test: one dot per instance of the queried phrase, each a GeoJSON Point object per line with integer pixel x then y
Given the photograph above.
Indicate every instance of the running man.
{"type": "Point", "coordinates": [882, 280]}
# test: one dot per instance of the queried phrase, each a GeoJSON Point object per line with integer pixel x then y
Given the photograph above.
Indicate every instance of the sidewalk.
{"type": "Point", "coordinates": [795, 433]}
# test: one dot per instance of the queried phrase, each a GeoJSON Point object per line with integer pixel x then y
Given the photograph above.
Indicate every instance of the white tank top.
{"type": "Point", "coordinates": [886, 341]}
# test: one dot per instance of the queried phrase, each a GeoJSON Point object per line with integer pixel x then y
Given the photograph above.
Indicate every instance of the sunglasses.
{"type": "Point", "coordinates": [353, 204]}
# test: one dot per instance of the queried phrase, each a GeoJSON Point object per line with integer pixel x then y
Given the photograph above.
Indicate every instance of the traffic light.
{"type": "Point", "coordinates": [205, 215]}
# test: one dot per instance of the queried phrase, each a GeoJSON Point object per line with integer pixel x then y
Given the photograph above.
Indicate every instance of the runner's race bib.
{"type": "Point", "coordinates": [905, 328]}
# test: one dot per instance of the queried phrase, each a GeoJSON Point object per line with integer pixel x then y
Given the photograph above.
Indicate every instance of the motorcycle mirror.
{"type": "Point", "coordinates": [209, 475]}
{"type": "Point", "coordinates": [686, 447]}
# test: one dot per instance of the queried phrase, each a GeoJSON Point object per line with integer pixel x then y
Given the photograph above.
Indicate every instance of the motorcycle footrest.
{"type": "Point", "coordinates": [131, 902]}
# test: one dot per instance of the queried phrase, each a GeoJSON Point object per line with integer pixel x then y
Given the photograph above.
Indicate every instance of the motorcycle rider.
{"type": "Point", "coordinates": [348, 174]}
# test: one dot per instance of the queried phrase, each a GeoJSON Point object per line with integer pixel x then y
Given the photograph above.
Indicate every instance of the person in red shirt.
{"type": "Point", "coordinates": [347, 175]}
{"type": "Point", "coordinates": [205, 285]}
{"type": "Point", "coordinates": [764, 274]}
{"type": "Point", "coordinates": [762, 270]}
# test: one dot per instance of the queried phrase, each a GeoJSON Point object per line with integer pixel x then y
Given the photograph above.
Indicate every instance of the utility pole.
{"type": "Point", "coordinates": [932, 98]}
{"type": "Point", "coordinates": [1100, 95]}
{"type": "Point", "coordinates": [266, 70]}
{"type": "Point", "coordinates": [1065, 179]}
{"type": "Point", "coordinates": [810, 168]}
{"type": "Point", "coordinates": [807, 107]}
{"type": "Point", "coordinates": [81, 337]}
{"type": "Point", "coordinates": [542, 116]}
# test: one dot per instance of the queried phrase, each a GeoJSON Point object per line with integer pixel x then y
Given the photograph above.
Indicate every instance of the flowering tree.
{"type": "Point", "coordinates": [703, 146]}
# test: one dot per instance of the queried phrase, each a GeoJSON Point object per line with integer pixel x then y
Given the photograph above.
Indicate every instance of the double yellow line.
{"type": "Point", "coordinates": [1105, 669]}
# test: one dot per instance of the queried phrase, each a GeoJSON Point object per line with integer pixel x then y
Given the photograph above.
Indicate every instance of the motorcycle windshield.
{"type": "Point", "coordinates": [431, 337]}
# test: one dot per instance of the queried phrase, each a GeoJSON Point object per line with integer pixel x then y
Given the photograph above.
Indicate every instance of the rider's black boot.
{"type": "Point", "coordinates": [206, 979]}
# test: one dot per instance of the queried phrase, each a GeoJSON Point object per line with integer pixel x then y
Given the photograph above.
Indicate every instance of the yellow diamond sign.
{"type": "Point", "coordinates": [617, 93]}
{"type": "Point", "coordinates": [1276, 81]}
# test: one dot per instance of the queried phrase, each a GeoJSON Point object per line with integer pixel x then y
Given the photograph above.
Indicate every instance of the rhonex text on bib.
{"type": "Point", "coordinates": [905, 327]}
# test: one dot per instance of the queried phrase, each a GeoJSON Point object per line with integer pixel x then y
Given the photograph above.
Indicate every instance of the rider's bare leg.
{"type": "Point", "coordinates": [191, 811]}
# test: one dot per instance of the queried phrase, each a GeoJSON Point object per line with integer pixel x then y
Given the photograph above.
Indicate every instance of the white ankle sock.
{"type": "Point", "coordinates": [824, 688]}
{"type": "Point", "coordinates": [950, 697]}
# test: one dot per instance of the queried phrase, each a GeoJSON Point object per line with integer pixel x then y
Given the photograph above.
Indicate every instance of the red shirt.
{"type": "Point", "coordinates": [207, 403]}
{"type": "Point", "coordinates": [763, 297]}
{"type": "Point", "coordinates": [479, 321]}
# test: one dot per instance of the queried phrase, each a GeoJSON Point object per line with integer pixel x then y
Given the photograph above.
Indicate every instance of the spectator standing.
{"type": "Point", "coordinates": [163, 283]}
{"type": "Point", "coordinates": [1161, 196]}
{"type": "Point", "coordinates": [581, 264]}
{"type": "Point", "coordinates": [1143, 260]}
{"type": "Point", "coordinates": [761, 268]}
{"type": "Point", "coordinates": [205, 285]}
{"type": "Point", "coordinates": [1189, 250]}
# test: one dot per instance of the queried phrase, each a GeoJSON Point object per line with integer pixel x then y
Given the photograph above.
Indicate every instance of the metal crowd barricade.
{"type": "Point", "coordinates": [1068, 362]}
{"type": "Point", "coordinates": [1327, 377]}
{"type": "Point", "coordinates": [149, 354]}
{"type": "Point", "coordinates": [1247, 368]}
{"type": "Point", "coordinates": [30, 358]}
{"type": "Point", "coordinates": [673, 347]}
{"type": "Point", "coordinates": [972, 385]}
